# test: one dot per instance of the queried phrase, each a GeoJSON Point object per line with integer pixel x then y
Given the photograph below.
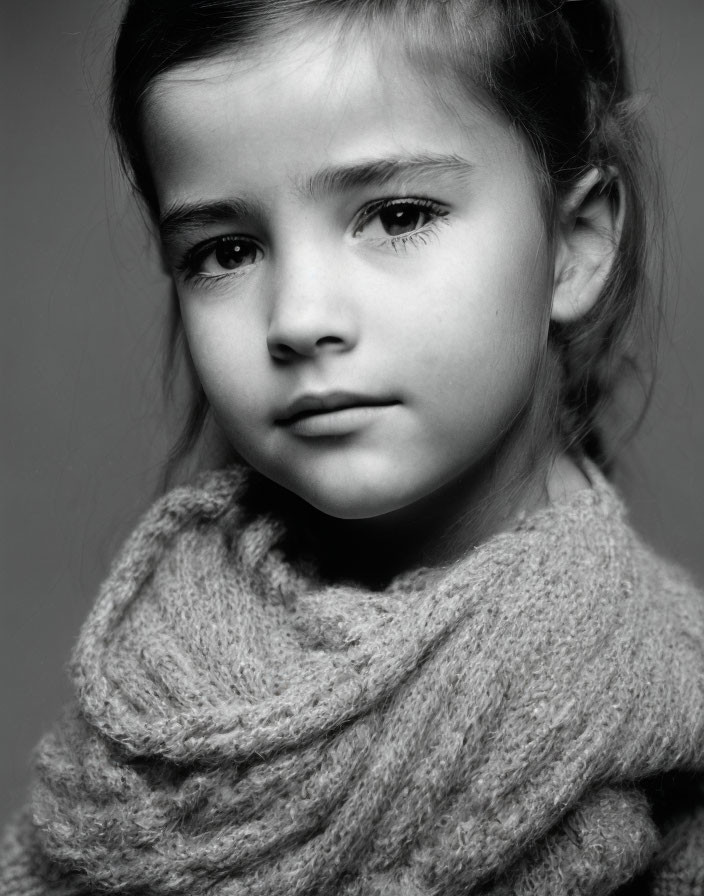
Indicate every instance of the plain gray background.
{"type": "Point", "coordinates": [82, 423]}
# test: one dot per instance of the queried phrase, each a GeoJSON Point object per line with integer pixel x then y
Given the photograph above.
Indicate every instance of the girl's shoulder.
{"type": "Point", "coordinates": [555, 675]}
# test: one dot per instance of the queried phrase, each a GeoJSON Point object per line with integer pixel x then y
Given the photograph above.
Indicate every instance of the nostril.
{"type": "Point", "coordinates": [281, 351]}
{"type": "Point", "coordinates": [329, 340]}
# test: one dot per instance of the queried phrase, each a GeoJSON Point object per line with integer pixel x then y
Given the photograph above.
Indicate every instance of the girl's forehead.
{"type": "Point", "coordinates": [320, 70]}
{"type": "Point", "coordinates": [312, 97]}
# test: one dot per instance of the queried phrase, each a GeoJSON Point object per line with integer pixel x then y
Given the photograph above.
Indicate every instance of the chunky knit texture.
{"type": "Point", "coordinates": [529, 720]}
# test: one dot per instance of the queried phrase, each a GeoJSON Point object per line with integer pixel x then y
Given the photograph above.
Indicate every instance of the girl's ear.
{"type": "Point", "coordinates": [587, 239]}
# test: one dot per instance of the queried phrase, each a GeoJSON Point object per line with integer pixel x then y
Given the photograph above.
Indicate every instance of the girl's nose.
{"type": "Point", "coordinates": [310, 316]}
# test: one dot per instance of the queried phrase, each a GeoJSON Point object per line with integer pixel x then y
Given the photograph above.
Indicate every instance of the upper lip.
{"type": "Point", "coordinates": [323, 402]}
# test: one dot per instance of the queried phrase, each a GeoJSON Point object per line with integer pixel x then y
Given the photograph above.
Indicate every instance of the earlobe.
{"type": "Point", "coordinates": [587, 240]}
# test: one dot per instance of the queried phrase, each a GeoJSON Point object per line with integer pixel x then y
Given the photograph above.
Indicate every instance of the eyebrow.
{"type": "Point", "coordinates": [184, 216]}
{"type": "Point", "coordinates": [378, 172]}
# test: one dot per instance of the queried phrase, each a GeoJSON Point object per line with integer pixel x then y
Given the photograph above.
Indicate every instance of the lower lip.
{"type": "Point", "coordinates": [337, 423]}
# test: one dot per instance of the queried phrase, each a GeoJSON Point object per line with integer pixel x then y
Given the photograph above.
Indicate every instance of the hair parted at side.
{"type": "Point", "coordinates": [555, 68]}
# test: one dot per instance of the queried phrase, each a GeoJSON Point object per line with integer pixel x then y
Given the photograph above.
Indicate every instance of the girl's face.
{"type": "Point", "coordinates": [362, 266]}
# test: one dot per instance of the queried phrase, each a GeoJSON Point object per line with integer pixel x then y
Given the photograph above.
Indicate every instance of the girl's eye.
{"type": "Point", "coordinates": [221, 256]}
{"type": "Point", "coordinates": [398, 218]}
{"type": "Point", "coordinates": [232, 253]}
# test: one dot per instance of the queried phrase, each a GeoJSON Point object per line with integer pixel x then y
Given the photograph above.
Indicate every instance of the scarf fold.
{"type": "Point", "coordinates": [242, 726]}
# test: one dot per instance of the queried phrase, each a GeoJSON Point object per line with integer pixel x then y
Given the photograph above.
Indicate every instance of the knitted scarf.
{"type": "Point", "coordinates": [528, 720]}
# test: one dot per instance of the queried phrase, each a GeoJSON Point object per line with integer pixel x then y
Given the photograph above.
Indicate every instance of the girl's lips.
{"type": "Point", "coordinates": [340, 422]}
{"type": "Point", "coordinates": [332, 413]}
{"type": "Point", "coordinates": [326, 402]}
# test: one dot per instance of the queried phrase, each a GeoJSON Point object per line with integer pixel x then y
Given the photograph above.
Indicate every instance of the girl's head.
{"type": "Point", "coordinates": [420, 216]}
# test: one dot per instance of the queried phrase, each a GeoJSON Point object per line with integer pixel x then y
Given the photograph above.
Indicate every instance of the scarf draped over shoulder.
{"type": "Point", "coordinates": [528, 720]}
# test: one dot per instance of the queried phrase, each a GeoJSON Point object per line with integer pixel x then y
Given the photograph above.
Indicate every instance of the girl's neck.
{"type": "Point", "coordinates": [437, 530]}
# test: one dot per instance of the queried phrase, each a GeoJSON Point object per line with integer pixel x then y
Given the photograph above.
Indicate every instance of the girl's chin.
{"type": "Point", "coordinates": [344, 505]}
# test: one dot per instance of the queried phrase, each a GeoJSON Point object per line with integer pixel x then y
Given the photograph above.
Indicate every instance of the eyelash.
{"type": "Point", "coordinates": [188, 265]}
{"type": "Point", "coordinates": [436, 212]}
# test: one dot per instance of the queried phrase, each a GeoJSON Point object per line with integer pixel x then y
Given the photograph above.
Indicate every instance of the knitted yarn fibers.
{"type": "Point", "coordinates": [244, 727]}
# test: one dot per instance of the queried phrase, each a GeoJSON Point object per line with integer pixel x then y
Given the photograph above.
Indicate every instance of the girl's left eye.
{"type": "Point", "coordinates": [220, 257]}
{"type": "Point", "coordinates": [398, 218]}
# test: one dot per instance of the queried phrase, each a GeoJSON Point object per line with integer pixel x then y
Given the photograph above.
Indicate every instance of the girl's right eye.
{"type": "Point", "coordinates": [220, 257]}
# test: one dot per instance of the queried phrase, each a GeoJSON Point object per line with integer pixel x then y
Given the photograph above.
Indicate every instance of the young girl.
{"type": "Point", "coordinates": [405, 642]}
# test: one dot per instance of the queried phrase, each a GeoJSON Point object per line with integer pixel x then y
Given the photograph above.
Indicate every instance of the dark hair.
{"type": "Point", "coordinates": [555, 69]}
